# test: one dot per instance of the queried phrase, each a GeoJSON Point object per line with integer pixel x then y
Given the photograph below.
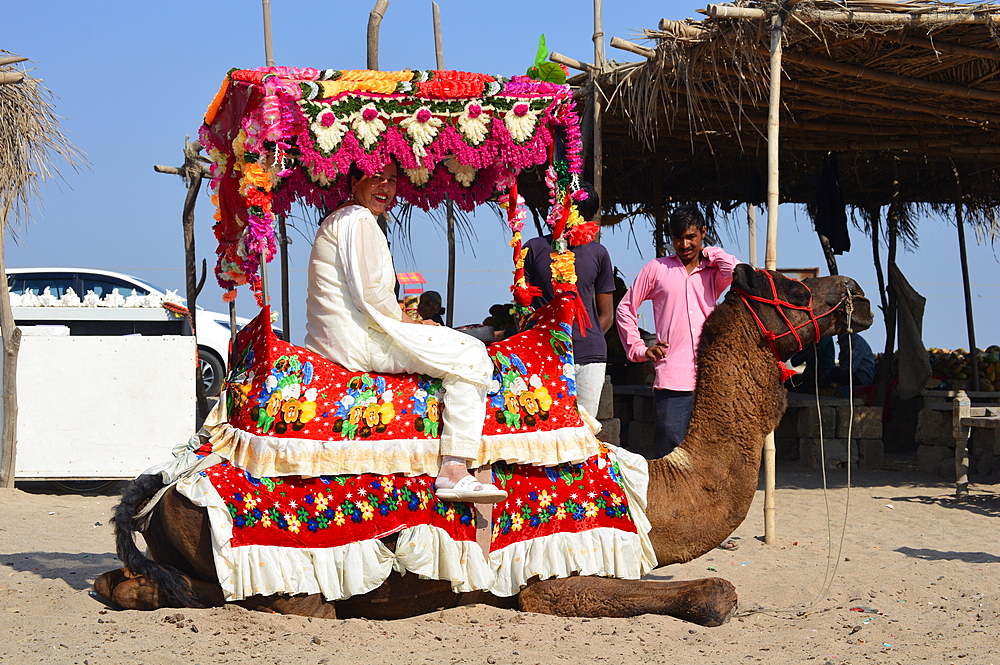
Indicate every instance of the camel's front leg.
{"type": "Point", "coordinates": [708, 602]}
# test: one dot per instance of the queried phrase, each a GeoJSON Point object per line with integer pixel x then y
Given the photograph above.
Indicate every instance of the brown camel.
{"type": "Point", "coordinates": [697, 495]}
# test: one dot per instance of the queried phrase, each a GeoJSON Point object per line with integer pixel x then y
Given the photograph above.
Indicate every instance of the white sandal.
{"type": "Point", "coordinates": [469, 489]}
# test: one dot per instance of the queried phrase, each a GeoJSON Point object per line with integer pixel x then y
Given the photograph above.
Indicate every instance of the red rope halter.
{"type": "Point", "coordinates": [772, 337]}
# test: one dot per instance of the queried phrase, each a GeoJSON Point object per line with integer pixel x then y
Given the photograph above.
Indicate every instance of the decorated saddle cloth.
{"type": "Point", "coordinates": [321, 464]}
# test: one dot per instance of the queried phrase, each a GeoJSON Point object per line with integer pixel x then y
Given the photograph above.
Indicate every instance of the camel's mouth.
{"type": "Point", "coordinates": [857, 307]}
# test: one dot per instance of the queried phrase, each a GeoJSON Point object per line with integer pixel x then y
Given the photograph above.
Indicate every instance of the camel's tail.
{"type": "Point", "coordinates": [168, 579]}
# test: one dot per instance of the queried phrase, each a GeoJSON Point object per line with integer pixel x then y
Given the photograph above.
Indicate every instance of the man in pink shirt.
{"type": "Point", "coordinates": [684, 289]}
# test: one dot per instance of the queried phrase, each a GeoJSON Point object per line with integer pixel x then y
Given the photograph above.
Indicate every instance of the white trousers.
{"type": "Point", "coordinates": [465, 402]}
{"type": "Point", "coordinates": [589, 385]}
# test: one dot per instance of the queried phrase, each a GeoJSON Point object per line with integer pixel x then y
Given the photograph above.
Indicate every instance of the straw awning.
{"type": "Point", "coordinates": [910, 89]}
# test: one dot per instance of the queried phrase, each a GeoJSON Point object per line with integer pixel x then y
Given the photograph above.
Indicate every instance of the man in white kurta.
{"type": "Point", "coordinates": [353, 318]}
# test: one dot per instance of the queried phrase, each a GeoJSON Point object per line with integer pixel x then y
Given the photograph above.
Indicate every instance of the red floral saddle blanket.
{"type": "Point", "coordinates": [331, 511]}
{"type": "Point", "coordinates": [291, 411]}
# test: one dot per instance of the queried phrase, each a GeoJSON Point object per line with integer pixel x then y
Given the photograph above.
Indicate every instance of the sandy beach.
{"type": "Point", "coordinates": [917, 579]}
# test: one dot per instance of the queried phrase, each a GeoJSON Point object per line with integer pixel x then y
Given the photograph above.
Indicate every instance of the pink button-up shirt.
{"type": "Point", "coordinates": [681, 303]}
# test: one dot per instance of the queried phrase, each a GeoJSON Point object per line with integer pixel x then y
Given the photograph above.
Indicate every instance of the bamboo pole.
{"type": "Point", "coordinates": [752, 233]}
{"type": "Point", "coordinates": [11, 77]}
{"type": "Point", "coordinates": [771, 249]}
{"type": "Point", "coordinates": [11, 60]}
{"type": "Point", "coordinates": [966, 286]}
{"type": "Point", "coordinates": [572, 63]}
{"type": "Point", "coordinates": [449, 312]}
{"type": "Point", "coordinates": [11, 345]}
{"type": "Point", "coordinates": [875, 18]}
{"type": "Point", "coordinates": [632, 47]}
{"type": "Point", "coordinates": [268, 53]}
{"type": "Point", "coordinates": [374, 21]}
{"type": "Point", "coordinates": [870, 74]}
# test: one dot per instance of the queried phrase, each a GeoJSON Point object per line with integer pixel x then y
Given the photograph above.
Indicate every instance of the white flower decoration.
{"type": "Point", "coordinates": [328, 129]}
{"type": "Point", "coordinates": [418, 176]}
{"type": "Point", "coordinates": [521, 121]}
{"type": "Point", "coordinates": [518, 386]}
{"type": "Point", "coordinates": [311, 395]}
{"type": "Point", "coordinates": [473, 123]}
{"type": "Point", "coordinates": [270, 382]}
{"type": "Point", "coordinates": [535, 381]}
{"type": "Point", "coordinates": [291, 391]}
{"type": "Point", "coordinates": [91, 299]}
{"type": "Point", "coordinates": [494, 387]}
{"type": "Point", "coordinates": [569, 370]}
{"type": "Point", "coordinates": [421, 127]}
{"type": "Point", "coordinates": [347, 400]}
{"type": "Point", "coordinates": [15, 298]}
{"type": "Point", "coordinates": [47, 299]}
{"type": "Point", "coordinates": [367, 124]}
{"type": "Point", "coordinates": [464, 174]}
{"type": "Point", "coordinates": [387, 396]}
{"type": "Point", "coordinates": [420, 393]}
{"type": "Point", "coordinates": [69, 299]}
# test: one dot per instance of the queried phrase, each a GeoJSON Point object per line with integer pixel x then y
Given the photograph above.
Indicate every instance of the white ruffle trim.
{"type": "Point", "coordinates": [336, 572]}
{"type": "Point", "coordinates": [269, 456]}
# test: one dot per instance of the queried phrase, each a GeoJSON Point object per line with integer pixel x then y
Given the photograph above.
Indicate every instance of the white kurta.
{"type": "Point", "coordinates": [353, 318]}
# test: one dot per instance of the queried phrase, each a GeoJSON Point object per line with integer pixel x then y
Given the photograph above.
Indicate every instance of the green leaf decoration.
{"type": "Point", "coordinates": [560, 335]}
{"type": "Point", "coordinates": [543, 70]}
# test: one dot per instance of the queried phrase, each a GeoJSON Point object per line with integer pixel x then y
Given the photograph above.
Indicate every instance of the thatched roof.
{"type": "Point", "coordinates": [910, 89]}
{"type": "Point", "coordinates": [29, 139]}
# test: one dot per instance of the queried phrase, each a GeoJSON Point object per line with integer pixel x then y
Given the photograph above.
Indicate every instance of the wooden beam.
{"type": "Point", "coordinates": [632, 47]}
{"type": "Point", "coordinates": [945, 47]}
{"type": "Point", "coordinates": [374, 21]}
{"type": "Point", "coordinates": [900, 19]}
{"type": "Point", "coordinates": [11, 59]}
{"type": "Point", "coordinates": [681, 29]}
{"type": "Point", "coordinates": [891, 79]}
{"type": "Point", "coordinates": [561, 59]}
{"type": "Point", "coordinates": [11, 77]}
{"type": "Point", "coordinates": [888, 102]}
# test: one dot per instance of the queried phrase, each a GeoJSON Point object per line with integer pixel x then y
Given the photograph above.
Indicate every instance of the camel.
{"type": "Point", "coordinates": [698, 494]}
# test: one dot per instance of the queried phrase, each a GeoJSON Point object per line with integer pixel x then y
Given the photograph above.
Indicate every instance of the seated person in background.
{"type": "Point", "coordinates": [824, 353]}
{"type": "Point", "coordinates": [430, 308]}
{"type": "Point", "coordinates": [861, 363]}
{"type": "Point", "coordinates": [501, 320]}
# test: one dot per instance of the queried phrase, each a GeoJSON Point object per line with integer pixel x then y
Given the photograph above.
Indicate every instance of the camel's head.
{"type": "Point", "coordinates": [789, 308]}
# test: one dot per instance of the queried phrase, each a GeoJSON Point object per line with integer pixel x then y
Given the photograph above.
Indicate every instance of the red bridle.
{"type": "Point", "coordinates": [772, 337]}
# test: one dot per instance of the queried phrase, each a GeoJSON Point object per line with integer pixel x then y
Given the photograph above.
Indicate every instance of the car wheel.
{"type": "Point", "coordinates": [82, 486]}
{"type": "Point", "coordinates": [212, 372]}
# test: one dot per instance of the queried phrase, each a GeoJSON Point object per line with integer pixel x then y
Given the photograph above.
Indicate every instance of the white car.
{"type": "Point", "coordinates": [213, 328]}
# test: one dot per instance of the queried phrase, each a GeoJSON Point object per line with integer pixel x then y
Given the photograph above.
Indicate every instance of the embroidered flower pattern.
{"type": "Point", "coordinates": [586, 496]}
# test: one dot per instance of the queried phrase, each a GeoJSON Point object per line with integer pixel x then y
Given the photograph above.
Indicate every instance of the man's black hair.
{"type": "Point", "coordinates": [591, 205]}
{"type": "Point", "coordinates": [432, 296]}
{"type": "Point", "coordinates": [684, 217]}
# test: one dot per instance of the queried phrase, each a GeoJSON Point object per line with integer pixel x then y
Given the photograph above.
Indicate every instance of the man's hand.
{"type": "Point", "coordinates": [658, 351]}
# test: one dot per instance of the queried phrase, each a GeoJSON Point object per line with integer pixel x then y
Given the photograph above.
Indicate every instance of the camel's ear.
{"type": "Point", "coordinates": [743, 278]}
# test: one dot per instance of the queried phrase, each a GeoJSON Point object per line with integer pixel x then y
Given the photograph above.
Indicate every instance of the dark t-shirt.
{"type": "Point", "coordinates": [594, 274]}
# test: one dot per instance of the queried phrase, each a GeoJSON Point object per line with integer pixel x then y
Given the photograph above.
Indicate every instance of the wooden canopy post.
{"type": "Point", "coordinates": [771, 249]}
{"type": "Point", "coordinates": [193, 171]}
{"type": "Point", "coordinates": [374, 21]}
{"type": "Point", "coordinates": [449, 206]}
{"type": "Point", "coordinates": [966, 286]}
{"type": "Point", "coordinates": [598, 138]}
{"type": "Point", "coordinates": [268, 53]}
{"type": "Point", "coordinates": [11, 345]}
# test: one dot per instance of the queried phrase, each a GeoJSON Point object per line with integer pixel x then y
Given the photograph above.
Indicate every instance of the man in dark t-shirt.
{"type": "Point", "coordinates": [595, 281]}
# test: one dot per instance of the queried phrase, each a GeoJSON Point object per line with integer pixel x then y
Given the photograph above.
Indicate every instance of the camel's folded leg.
{"type": "Point", "coordinates": [135, 592]}
{"type": "Point", "coordinates": [708, 602]}
{"type": "Point", "coordinates": [303, 605]}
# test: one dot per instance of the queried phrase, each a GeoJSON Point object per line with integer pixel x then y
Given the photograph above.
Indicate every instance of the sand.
{"type": "Point", "coordinates": [923, 570]}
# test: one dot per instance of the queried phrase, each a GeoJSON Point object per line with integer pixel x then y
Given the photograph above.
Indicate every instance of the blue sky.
{"type": "Point", "coordinates": [133, 78]}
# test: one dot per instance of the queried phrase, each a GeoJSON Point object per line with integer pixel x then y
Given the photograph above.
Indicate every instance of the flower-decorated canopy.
{"type": "Point", "coordinates": [277, 134]}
